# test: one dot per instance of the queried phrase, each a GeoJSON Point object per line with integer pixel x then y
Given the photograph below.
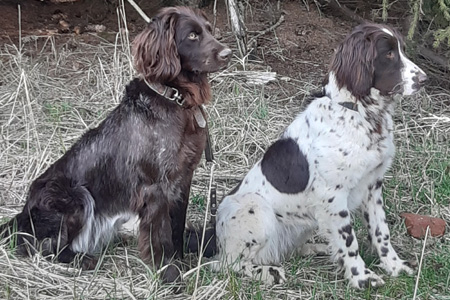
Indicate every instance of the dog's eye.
{"type": "Point", "coordinates": [390, 55]}
{"type": "Point", "coordinates": [193, 36]}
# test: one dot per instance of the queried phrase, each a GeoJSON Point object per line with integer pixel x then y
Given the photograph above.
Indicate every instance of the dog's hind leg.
{"type": "Point", "coordinates": [47, 233]}
{"type": "Point", "coordinates": [40, 231]}
{"type": "Point", "coordinates": [247, 238]}
{"type": "Point", "coordinates": [268, 274]}
{"type": "Point", "coordinates": [319, 249]}
{"type": "Point", "coordinates": [54, 215]}
{"type": "Point", "coordinates": [85, 261]}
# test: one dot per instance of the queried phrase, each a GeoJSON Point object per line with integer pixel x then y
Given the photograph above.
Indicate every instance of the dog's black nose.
{"type": "Point", "coordinates": [225, 54]}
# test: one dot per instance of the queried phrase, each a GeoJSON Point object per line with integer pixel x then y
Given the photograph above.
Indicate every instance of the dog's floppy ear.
{"type": "Point", "coordinates": [352, 64]}
{"type": "Point", "coordinates": [154, 49]}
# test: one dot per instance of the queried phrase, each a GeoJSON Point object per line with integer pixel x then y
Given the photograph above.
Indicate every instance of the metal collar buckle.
{"type": "Point", "coordinates": [176, 96]}
{"type": "Point", "coordinates": [170, 93]}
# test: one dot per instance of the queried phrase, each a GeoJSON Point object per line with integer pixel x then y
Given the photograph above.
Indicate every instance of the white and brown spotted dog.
{"type": "Point", "coordinates": [327, 164]}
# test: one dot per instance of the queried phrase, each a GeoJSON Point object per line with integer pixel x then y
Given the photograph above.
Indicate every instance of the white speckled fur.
{"type": "Point", "coordinates": [347, 162]}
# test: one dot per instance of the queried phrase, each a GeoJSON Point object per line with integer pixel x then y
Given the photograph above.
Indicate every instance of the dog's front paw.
{"type": "Point", "coordinates": [171, 274]}
{"type": "Point", "coordinates": [395, 267]}
{"type": "Point", "coordinates": [366, 279]}
{"type": "Point", "coordinates": [88, 263]}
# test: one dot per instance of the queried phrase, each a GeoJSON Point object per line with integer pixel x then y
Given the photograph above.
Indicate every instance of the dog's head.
{"type": "Point", "coordinates": [372, 56]}
{"type": "Point", "coordinates": [178, 39]}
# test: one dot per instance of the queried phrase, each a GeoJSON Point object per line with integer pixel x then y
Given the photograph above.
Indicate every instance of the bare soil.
{"type": "Point", "coordinates": [299, 48]}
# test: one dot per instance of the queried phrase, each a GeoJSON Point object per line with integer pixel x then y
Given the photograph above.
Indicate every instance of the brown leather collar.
{"type": "Point", "coordinates": [172, 94]}
{"type": "Point", "coordinates": [168, 92]}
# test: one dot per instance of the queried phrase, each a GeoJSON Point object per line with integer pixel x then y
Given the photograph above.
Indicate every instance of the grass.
{"type": "Point", "coordinates": [198, 201]}
{"type": "Point", "coordinates": [51, 95]}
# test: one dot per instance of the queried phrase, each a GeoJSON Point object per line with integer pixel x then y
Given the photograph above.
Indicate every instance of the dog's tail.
{"type": "Point", "coordinates": [193, 238]}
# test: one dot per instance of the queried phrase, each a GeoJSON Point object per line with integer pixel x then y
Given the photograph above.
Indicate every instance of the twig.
{"type": "Point", "coordinates": [437, 59]}
{"type": "Point", "coordinates": [215, 15]}
{"type": "Point", "coordinates": [20, 32]}
{"type": "Point", "coordinates": [238, 27]}
{"type": "Point", "coordinates": [140, 11]}
{"type": "Point", "coordinates": [208, 200]}
{"type": "Point", "coordinates": [273, 27]}
{"type": "Point", "coordinates": [121, 15]}
{"type": "Point", "coordinates": [420, 263]}
{"type": "Point", "coordinates": [188, 273]}
{"type": "Point", "coordinates": [335, 5]}
{"type": "Point", "coordinates": [250, 77]}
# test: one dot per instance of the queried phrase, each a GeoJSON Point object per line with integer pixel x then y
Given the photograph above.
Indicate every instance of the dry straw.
{"type": "Point", "coordinates": [53, 88]}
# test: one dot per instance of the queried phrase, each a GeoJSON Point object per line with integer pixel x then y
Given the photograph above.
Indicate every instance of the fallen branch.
{"type": "Point", "coordinates": [238, 27]}
{"type": "Point", "coordinates": [435, 58]}
{"type": "Point", "coordinates": [273, 27]}
{"type": "Point", "coordinates": [250, 77]}
{"type": "Point", "coordinates": [140, 11]}
{"type": "Point", "coordinates": [336, 6]}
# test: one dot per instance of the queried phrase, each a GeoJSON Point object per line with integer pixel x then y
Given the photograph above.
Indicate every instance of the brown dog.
{"type": "Point", "coordinates": [139, 160]}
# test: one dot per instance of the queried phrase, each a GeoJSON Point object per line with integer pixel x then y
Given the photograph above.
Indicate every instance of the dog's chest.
{"type": "Point", "coordinates": [193, 139]}
{"type": "Point", "coordinates": [341, 145]}
{"type": "Point", "coordinates": [167, 148]}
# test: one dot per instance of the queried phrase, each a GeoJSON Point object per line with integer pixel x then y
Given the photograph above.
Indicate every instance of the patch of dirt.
{"type": "Point", "coordinates": [299, 48]}
{"type": "Point", "coordinates": [69, 18]}
{"type": "Point", "coordinates": [303, 44]}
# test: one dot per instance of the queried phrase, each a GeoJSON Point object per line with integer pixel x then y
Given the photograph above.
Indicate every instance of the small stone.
{"type": "Point", "coordinates": [78, 30]}
{"type": "Point", "coordinates": [95, 28]}
{"type": "Point", "coordinates": [57, 16]}
{"type": "Point", "coordinates": [217, 34]}
{"type": "Point", "coordinates": [64, 26]}
{"type": "Point", "coordinates": [417, 225]}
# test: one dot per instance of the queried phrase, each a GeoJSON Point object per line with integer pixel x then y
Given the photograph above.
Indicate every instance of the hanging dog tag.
{"type": "Point", "coordinates": [199, 117]}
